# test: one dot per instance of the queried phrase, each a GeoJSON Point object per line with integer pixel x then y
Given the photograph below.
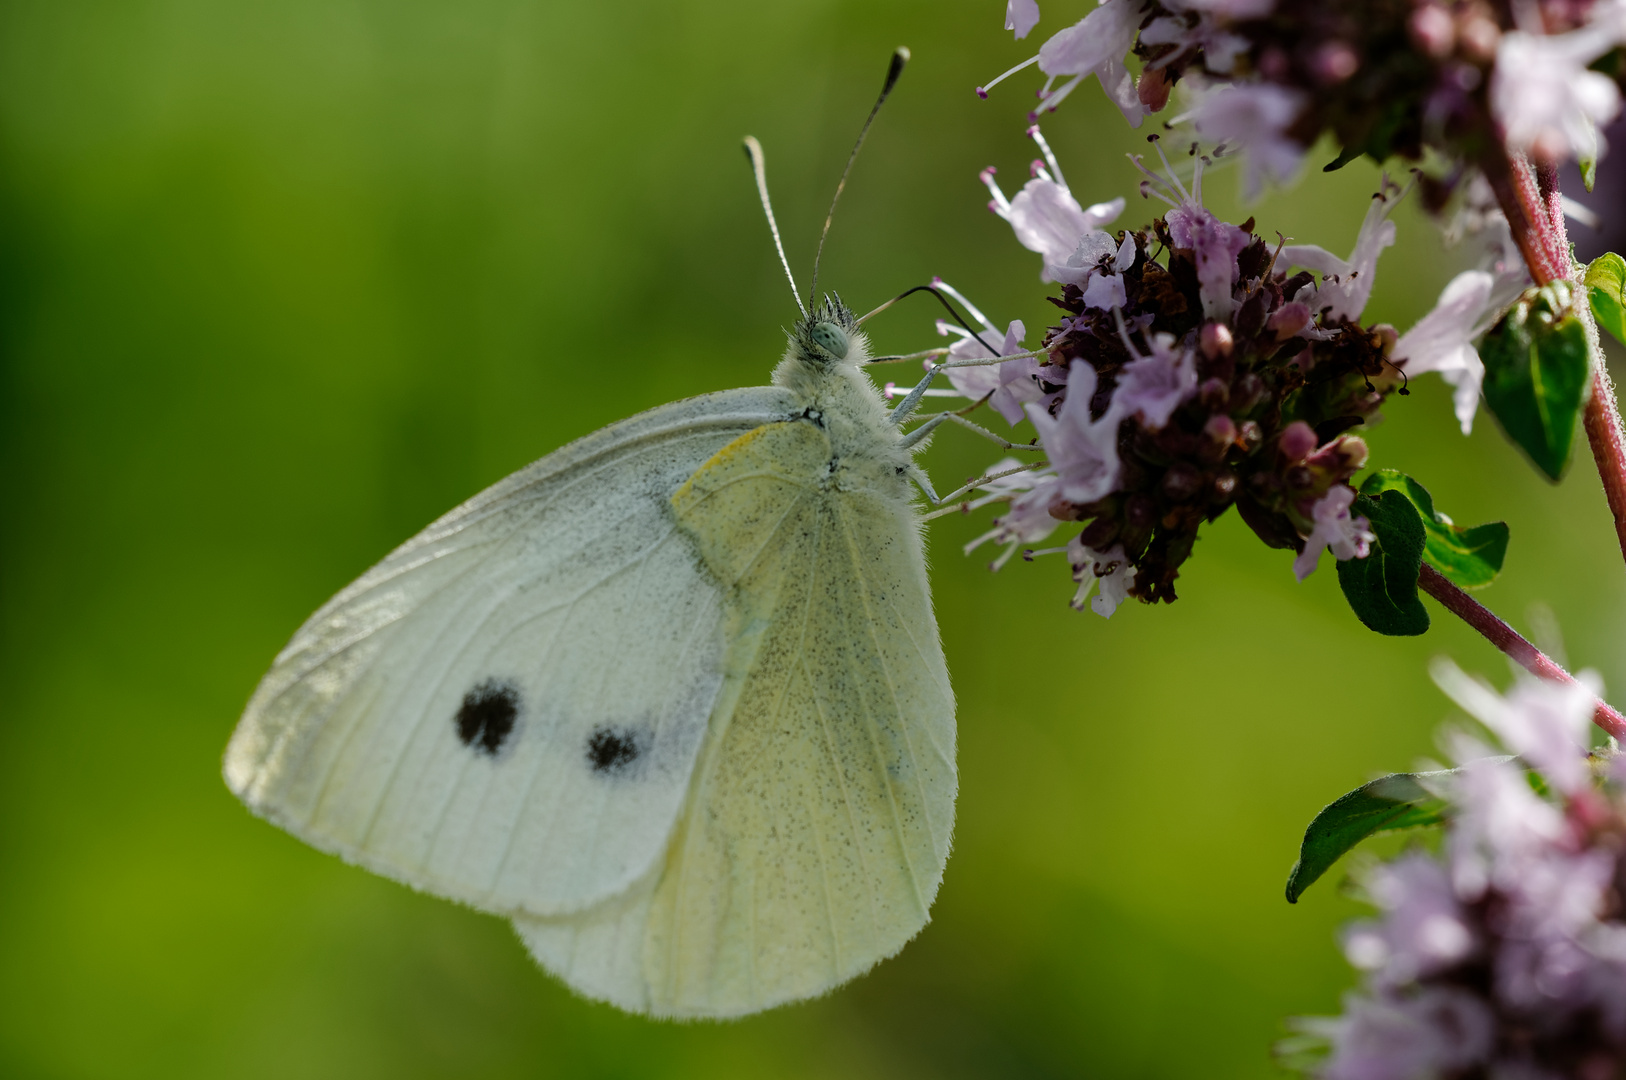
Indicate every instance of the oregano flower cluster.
{"type": "Point", "coordinates": [1198, 365]}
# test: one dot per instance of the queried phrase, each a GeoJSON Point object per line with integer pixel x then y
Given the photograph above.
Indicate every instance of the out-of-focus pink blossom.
{"type": "Point", "coordinates": [1021, 16]}
{"type": "Point", "coordinates": [1096, 45]}
{"type": "Point", "coordinates": [1254, 117]}
{"type": "Point", "coordinates": [1543, 95]}
{"type": "Point", "coordinates": [1409, 1038]}
{"type": "Point", "coordinates": [1219, 46]}
{"type": "Point", "coordinates": [1423, 929]}
{"type": "Point", "coordinates": [1544, 722]}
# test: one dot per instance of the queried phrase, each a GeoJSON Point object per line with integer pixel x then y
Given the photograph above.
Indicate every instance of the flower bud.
{"type": "Point", "coordinates": [1334, 62]}
{"type": "Point", "coordinates": [1100, 533]}
{"type": "Point", "coordinates": [1153, 88]}
{"type": "Point", "coordinates": [1141, 511]}
{"type": "Point", "coordinates": [1182, 481]}
{"type": "Point", "coordinates": [1221, 429]}
{"type": "Point", "coordinates": [1479, 35]}
{"type": "Point", "coordinates": [1215, 340]}
{"type": "Point", "coordinates": [1287, 320]}
{"type": "Point", "coordinates": [1297, 441]}
{"type": "Point", "coordinates": [1433, 31]}
{"type": "Point", "coordinates": [1247, 392]}
{"type": "Point", "coordinates": [1340, 458]}
{"type": "Point", "coordinates": [1251, 435]}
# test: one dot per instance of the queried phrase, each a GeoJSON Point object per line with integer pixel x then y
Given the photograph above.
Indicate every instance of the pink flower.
{"type": "Point", "coordinates": [1423, 930]}
{"type": "Point", "coordinates": [1349, 538]}
{"type": "Point", "coordinates": [1111, 570]}
{"type": "Point", "coordinates": [1255, 118]}
{"type": "Point", "coordinates": [1347, 283]}
{"type": "Point", "coordinates": [1215, 244]}
{"type": "Point", "coordinates": [1096, 45]}
{"type": "Point", "coordinates": [1021, 16]}
{"type": "Point", "coordinates": [1543, 95]}
{"type": "Point", "coordinates": [1220, 48]}
{"type": "Point", "coordinates": [1408, 1038]}
{"type": "Point", "coordinates": [1084, 452]}
{"type": "Point", "coordinates": [1442, 340]}
{"type": "Point", "coordinates": [1048, 220]}
{"type": "Point", "coordinates": [1544, 722]}
{"type": "Point", "coordinates": [1152, 387]}
{"type": "Point", "coordinates": [1097, 267]}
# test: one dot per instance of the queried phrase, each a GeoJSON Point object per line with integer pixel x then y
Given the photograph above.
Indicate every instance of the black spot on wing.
{"type": "Point", "coordinates": [613, 751]}
{"type": "Point", "coordinates": [486, 718]}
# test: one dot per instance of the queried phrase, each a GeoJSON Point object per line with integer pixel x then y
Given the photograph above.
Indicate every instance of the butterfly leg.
{"type": "Point", "coordinates": [982, 482]}
{"type": "Point", "coordinates": [1004, 444]}
{"type": "Point", "coordinates": [923, 482]}
{"type": "Point", "coordinates": [917, 436]}
{"type": "Point", "coordinates": [911, 401]}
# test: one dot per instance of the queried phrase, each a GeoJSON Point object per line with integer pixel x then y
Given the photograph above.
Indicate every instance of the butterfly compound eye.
{"type": "Point", "coordinates": [831, 338]}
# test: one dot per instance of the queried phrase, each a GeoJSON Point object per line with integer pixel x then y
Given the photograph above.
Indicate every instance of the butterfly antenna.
{"type": "Point", "coordinates": [753, 150]}
{"type": "Point", "coordinates": [899, 58]}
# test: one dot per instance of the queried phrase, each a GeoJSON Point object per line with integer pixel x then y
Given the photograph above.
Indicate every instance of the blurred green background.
{"type": "Point", "coordinates": [283, 282]}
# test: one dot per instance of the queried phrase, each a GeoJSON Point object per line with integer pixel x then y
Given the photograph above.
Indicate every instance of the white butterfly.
{"type": "Point", "coordinates": [671, 698]}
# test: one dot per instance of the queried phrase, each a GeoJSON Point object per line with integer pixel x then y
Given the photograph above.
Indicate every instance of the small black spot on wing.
{"type": "Point", "coordinates": [613, 751]}
{"type": "Point", "coordinates": [486, 718]}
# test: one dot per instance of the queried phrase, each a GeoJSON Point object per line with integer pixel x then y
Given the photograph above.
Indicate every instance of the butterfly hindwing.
{"type": "Point", "coordinates": [508, 709]}
{"type": "Point", "coordinates": [816, 834]}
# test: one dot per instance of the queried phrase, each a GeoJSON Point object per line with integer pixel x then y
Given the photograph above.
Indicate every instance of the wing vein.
{"type": "Point", "coordinates": [903, 725]}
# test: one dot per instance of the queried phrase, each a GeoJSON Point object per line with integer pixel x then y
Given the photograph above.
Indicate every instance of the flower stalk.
{"type": "Point", "coordinates": [1509, 641]}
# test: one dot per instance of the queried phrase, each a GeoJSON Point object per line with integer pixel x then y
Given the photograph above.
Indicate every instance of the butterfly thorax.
{"type": "Point", "coordinates": [823, 368]}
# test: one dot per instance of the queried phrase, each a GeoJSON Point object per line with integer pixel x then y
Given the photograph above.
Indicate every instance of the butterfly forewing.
{"type": "Point", "coordinates": [508, 709]}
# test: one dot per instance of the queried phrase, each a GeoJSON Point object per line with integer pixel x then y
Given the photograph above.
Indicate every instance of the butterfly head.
{"type": "Point", "coordinates": [828, 334]}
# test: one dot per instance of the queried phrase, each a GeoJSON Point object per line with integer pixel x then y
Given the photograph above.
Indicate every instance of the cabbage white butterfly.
{"type": "Point", "coordinates": [670, 698]}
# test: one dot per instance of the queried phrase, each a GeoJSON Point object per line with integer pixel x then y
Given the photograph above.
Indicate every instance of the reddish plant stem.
{"type": "Point", "coordinates": [1503, 175]}
{"type": "Point", "coordinates": [1553, 202]}
{"type": "Point", "coordinates": [1534, 208]}
{"type": "Point", "coordinates": [1507, 639]}
{"type": "Point", "coordinates": [1601, 418]}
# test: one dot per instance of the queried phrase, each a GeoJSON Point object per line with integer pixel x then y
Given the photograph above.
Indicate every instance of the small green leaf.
{"type": "Point", "coordinates": [1469, 557]}
{"type": "Point", "coordinates": [1396, 801]}
{"type": "Point", "coordinates": [1382, 588]}
{"type": "Point", "coordinates": [1606, 282]}
{"type": "Point", "coordinates": [1536, 373]}
{"type": "Point", "coordinates": [1345, 156]}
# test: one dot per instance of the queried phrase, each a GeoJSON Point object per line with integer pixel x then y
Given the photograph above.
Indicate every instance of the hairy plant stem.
{"type": "Point", "coordinates": [1507, 639]}
{"type": "Point", "coordinates": [1531, 201]}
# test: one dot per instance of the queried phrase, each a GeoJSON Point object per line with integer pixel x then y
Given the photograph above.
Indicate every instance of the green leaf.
{"type": "Point", "coordinates": [1396, 801]}
{"type": "Point", "coordinates": [1536, 372]}
{"type": "Point", "coordinates": [1606, 282]}
{"type": "Point", "coordinates": [1382, 588]}
{"type": "Point", "coordinates": [1345, 156]}
{"type": "Point", "coordinates": [1469, 557]}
